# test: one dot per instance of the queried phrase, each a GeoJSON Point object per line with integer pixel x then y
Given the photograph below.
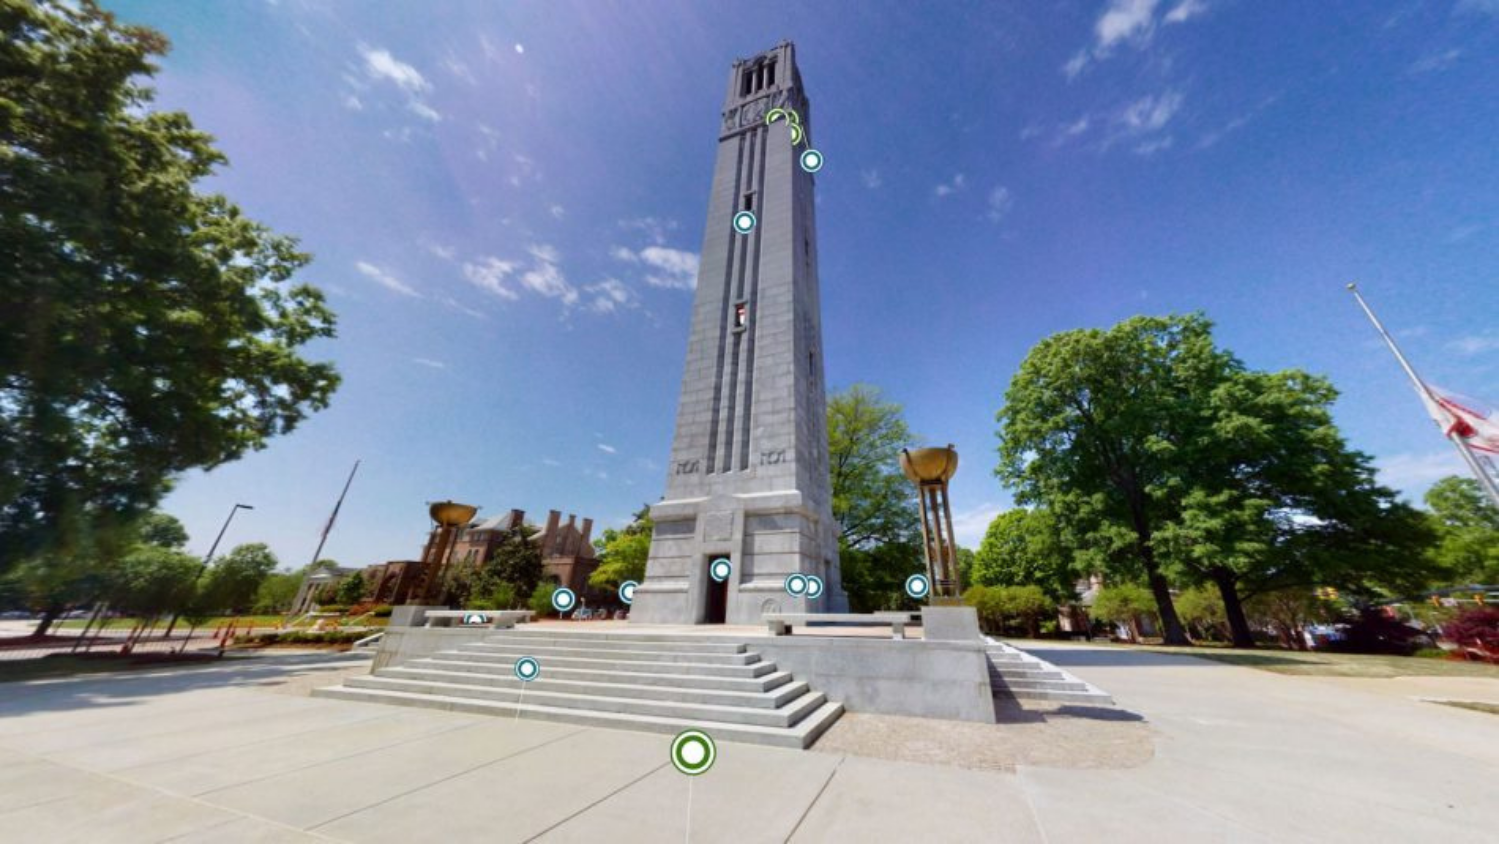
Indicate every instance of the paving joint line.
{"type": "Point", "coordinates": [816, 797]}
{"type": "Point", "coordinates": [597, 802]}
{"type": "Point", "coordinates": [442, 780]}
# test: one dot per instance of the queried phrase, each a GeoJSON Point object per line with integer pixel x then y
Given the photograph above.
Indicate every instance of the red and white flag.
{"type": "Point", "coordinates": [1473, 422]}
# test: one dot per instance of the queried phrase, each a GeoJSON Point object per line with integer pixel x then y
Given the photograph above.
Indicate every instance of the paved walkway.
{"type": "Point", "coordinates": [235, 753]}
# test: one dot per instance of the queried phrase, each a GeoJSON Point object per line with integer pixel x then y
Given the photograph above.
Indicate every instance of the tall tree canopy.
{"type": "Point", "coordinates": [1468, 529]}
{"type": "Point", "coordinates": [1022, 548]}
{"type": "Point", "coordinates": [873, 502]}
{"type": "Point", "coordinates": [146, 328]}
{"type": "Point", "coordinates": [1161, 455]}
{"type": "Point", "coordinates": [623, 553]}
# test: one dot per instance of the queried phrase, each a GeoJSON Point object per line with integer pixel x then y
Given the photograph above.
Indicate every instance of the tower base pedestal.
{"type": "Point", "coordinates": [950, 624]}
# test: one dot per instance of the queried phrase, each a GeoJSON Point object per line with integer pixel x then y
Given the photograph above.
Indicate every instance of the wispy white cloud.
{"type": "Point", "coordinates": [1185, 11]}
{"type": "Point", "coordinates": [424, 111]}
{"type": "Point", "coordinates": [606, 448]}
{"type": "Point", "coordinates": [385, 279]}
{"type": "Point", "coordinates": [462, 308]}
{"type": "Point", "coordinates": [1122, 20]}
{"type": "Point", "coordinates": [969, 525]}
{"type": "Point", "coordinates": [547, 461]}
{"type": "Point", "coordinates": [671, 268]}
{"type": "Point", "coordinates": [1434, 62]}
{"type": "Point", "coordinates": [1472, 345]}
{"type": "Point", "coordinates": [1413, 473]}
{"type": "Point", "coordinates": [380, 64]}
{"type": "Point", "coordinates": [491, 274]}
{"type": "Point", "coordinates": [1131, 22]}
{"type": "Point", "coordinates": [1149, 113]}
{"type": "Point", "coordinates": [430, 363]}
{"type": "Point", "coordinates": [439, 250]}
{"type": "Point", "coordinates": [1153, 146]}
{"type": "Point", "coordinates": [557, 211]}
{"type": "Point", "coordinates": [870, 178]}
{"type": "Point", "coordinates": [459, 69]}
{"type": "Point", "coordinates": [546, 278]}
{"type": "Point", "coordinates": [610, 295]}
{"type": "Point", "coordinates": [950, 187]}
{"type": "Point", "coordinates": [998, 203]}
{"type": "Point", "coordinates": [654, 228]}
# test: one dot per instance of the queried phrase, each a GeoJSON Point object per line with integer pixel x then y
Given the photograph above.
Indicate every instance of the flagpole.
{"type": "Point", "coordinates": [1485, 481]}
{"type": "Point", "coordinates": [329, 527]}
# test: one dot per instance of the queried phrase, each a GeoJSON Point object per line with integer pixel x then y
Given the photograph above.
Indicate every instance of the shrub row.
{"type": "Point", "coordinates": [298, 637]}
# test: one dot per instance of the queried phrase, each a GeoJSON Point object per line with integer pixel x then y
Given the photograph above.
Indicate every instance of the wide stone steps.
{"type": "Point", "coordinates": [782, 695]}
{"type": "Point", "coordinates": [509, 656]}
{"type": "Point", "coordinates": [1023, 676]}
{"type": "Point", "coordinates": [540, 651]}
{"type": "Point", "coordinates": [598, 642]}
{"type": "Point", "coordinates": [799, 735]}
{"type": "Point", "coordinates": [658, 682]}
{"type": "Point", "coordinates": [783, 716]}
{"type": "Point", "coordinates": [762, 683]}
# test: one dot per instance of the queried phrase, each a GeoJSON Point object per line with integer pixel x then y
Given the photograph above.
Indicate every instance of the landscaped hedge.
{"type": "Point", "coordinates": [299, 637]}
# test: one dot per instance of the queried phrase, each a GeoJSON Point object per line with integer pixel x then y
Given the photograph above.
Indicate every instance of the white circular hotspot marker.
{"type": "Point", "coordinates": [796, 585]}
{"type": "Point", "coordinates": [814, 586]}
{"type": "Point", "coordinates": [917, 586]}
{"type": "Point", "coordinates": [719, 569]}
{"type": "Point", "coordinates": [627, 591]}
{"type": "Point", "coordinates": [744, 222]}
{"type": "Point", "coordinates": [476, 618]}
{"type": "Point", "coordinates": [527, 669]}
{"type": "Point", "coordinates": [693, 752]}
{"type": "Point", "coordinates": [563, 599]}
{"type": "Point", "coordinates": [811, 160]}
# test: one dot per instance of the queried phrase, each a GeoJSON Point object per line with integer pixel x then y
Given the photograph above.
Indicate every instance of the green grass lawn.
{"type": "Point", "coordinates": [1325, 664]}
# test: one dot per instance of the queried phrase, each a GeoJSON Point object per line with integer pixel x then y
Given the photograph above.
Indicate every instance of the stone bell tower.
{"type": "Point", "coordinates": [748, 477]}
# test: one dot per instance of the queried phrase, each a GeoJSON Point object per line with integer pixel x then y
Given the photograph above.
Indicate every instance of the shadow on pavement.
{"type": "Point", "coordinates": [98, 691]}
{"type": "Point", "coordinates": [1009, 711]}
{"type": "Point", "coordinates": [1110, 657]}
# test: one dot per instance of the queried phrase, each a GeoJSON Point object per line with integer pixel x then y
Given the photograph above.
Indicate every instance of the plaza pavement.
{"type": "Point", "coordinates": [236, 752]}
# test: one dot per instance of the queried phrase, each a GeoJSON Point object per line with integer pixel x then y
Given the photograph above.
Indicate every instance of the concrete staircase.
{"type": "Point", "coordinates": [1020, 675]}
{"type": "Point", "coordinates": [657, 682]}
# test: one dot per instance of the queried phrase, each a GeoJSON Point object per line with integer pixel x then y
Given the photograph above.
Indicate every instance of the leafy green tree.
{"type": "Point", "coordinates": [1288, 612]}
{"type": "Point", "coordinates": [1160, 454]}
{"type": "Point", "coordinates": [146, 328]}
{"type": "Point", "coordinates": [1127, 604]}
{"type": "Point", "coordinates": [623, 553]}
{"type": "Point", "coordinates": [517, 560]}
{"type": "Point", "coordinates": [277, 592]}
{"type": "Point", "coordinates": [540, 601]}
{"type": "Point", "coordinates": [52, 583]}
{"type": "Point", "coordinates": [153, 581]}
{"type": "Point", "coordinates": [233, 580]}
{"type": "Point", "coordinates": [1272, 498]}
{"type": "Point", "coordinates": [1201, 608]}
{"type": "Point", "coordinates": [965, 558]}
{"type": "Point", "coordinates": [873, 502]}
{"type": "Point", "coordinates": [1007, 609]}
{"type": "Point", "coordinates": [162, 530]}
{"type": "Point", "coordinates": [1468, 531]}
{"type": "Point", "coordinates": [351, 590]}
{"type": "Point", "coordinates": [1022, 548]}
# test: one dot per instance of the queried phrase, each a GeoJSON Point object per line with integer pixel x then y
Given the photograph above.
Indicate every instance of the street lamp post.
{"type": "Point", "coordinates": [204, 567]}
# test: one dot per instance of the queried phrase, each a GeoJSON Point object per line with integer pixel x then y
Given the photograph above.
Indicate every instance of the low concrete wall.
{"type": "Point", "coordinates": [947, 680]}
{"type": "Point", "coordinates": [411, 615]}
{"type": "Point", "coordinates": [402, 644]}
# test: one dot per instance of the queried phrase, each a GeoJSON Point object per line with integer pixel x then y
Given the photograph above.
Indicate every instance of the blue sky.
{"type": "Point", "coordinates": [506, 203]}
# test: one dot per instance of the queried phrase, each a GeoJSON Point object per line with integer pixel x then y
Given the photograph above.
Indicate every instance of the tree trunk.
{"type": "Point", "coordinates": [1240, 634]}
{"type": "Point", "coordinates": [1171, 626]}
{"type": "Point", "coordinates": [45, 624]}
